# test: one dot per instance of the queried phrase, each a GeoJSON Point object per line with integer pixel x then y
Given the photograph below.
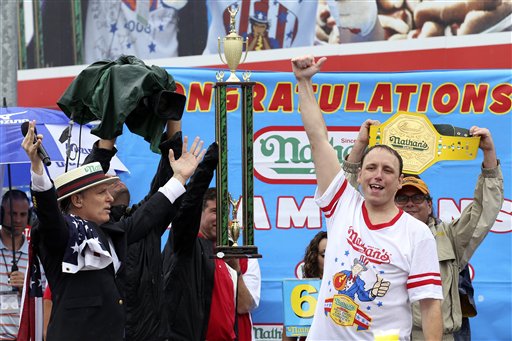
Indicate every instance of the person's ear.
{"type": "Point", "coordinates": [76, 200]}
{"type": "Point", "coordinates": [400, 181]}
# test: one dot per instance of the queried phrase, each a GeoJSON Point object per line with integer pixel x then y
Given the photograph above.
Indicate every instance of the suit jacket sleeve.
{"type": "Point", "coordinates": [163, 174]}
{"type": "Point", "coordinates": [51, 228]}
{"type": "Point", "coordinates": [185, 226]}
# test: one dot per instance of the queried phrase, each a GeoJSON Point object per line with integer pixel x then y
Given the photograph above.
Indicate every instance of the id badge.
{"type": "Point", "coordinates": [9, 302]}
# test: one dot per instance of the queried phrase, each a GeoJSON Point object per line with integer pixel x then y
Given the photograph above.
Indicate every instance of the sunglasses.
{"type": "Point", "coordinates": [417, 199]}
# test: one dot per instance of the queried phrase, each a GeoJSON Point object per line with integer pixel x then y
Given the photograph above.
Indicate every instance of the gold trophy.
{"type": "Point", "coordinates": [231, 228]}
{"type": "Point", "coordinates": [234, 225]}
{"type": "Point", "coordinates": [233, 47]}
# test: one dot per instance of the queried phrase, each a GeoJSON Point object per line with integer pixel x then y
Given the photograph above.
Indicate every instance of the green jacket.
{"type": "Point", "coordinates": [116, 92]}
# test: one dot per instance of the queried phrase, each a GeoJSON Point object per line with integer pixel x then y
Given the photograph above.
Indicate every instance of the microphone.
{"type": "Point", "coordinates": [40, 150]}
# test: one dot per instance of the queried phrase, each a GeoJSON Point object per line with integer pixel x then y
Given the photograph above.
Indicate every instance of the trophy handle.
{"type": "Point", "coordinates": [246, 42]}
{"type": "Point", "coordinates": [220, 54]}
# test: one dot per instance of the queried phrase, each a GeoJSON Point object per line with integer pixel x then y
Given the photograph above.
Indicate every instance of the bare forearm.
{"type": "Point", "coordinates": [490, 158]}
{"type": "Point", "coordinates": [431, 319]}
{"type": "Point", "coordinates": [245, 300]}
{"type": "Point", "coordinates": [357, 151]}
{"type": "Point", "coordinates": [311, 115]}
{"type": "Point", "coordinates": [172, 128]}
{"type": "Point", "coordinates": [106, 144]}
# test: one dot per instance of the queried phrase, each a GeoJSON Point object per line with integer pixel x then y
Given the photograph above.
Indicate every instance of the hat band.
{"type": "Point", "coordinates": [80, 182]}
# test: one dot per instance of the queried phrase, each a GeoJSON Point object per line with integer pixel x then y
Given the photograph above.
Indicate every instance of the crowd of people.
{"type": "Point", "coordinates": [107, 278]}
{"type": "Point", "coordinates": [105, 275]}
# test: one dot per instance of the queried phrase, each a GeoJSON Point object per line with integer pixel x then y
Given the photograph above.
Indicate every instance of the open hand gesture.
{"type": "Point", "coordinates": [185, 166]}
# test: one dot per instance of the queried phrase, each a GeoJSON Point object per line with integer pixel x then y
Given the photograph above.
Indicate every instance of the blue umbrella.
{"type": "Point", "coordinates": [11, 152]}
{"type": "Point", "coordinates": [51, 124]}
{"type": "Point", "coordinates": [11, 137]}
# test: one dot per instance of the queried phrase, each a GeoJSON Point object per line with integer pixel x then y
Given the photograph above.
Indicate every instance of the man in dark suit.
{"type": "Point", "coordinates": [82, 251]}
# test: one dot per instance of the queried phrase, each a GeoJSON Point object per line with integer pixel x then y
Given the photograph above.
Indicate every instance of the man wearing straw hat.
{"type": "Point", "coordinates": [81, 251]}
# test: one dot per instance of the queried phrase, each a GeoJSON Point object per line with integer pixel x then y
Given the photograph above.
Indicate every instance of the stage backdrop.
{"type": "Point", "coordinates": [286, 217]}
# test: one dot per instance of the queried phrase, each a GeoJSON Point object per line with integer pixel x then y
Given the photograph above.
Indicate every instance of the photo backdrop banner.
{"type": "Point", "coordinates": [286, 216]}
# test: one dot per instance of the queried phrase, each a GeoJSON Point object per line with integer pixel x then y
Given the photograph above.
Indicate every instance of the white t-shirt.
{"type": "Point", "coordinates": [290, 23]}
{"type": "Point", "coordinates": [146, 29]}
{"type": "Point", "coordinates": [360, 255]}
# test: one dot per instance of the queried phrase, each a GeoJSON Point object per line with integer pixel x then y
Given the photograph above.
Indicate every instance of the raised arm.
{"type": "Point", "coordinates": [51, 228]}
{"type": "Point", "coordinates": [477, 219]}
{"type": "Point", "coordinates": [353, 162]}
{"type": "Point", "coordinates": [324, 157]}
{"type": "Point", "coordinates": [102, 151]}
{"type": "Point", "coordinates": [155, 211]}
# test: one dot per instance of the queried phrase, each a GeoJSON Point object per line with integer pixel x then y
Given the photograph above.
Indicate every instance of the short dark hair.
{"type": "Point", "coordinates": [15, 194]}
{"type": "Point", "coordinates": [209, 195]}
{"type": "Point", "coordinates": [65, 204]}
{"type": "Point", "coordinates": [389, 149]}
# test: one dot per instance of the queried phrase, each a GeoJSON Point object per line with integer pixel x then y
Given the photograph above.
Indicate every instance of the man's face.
{"type": "Point", "coordinates": [419, 211]}
{"type": "Point", "coordinates": [208, 225]}
{"type": "Point", "coordinates": [94, 204]}
{"type": "Point", "coordinates": [259, 29]}
{"type": "Point", "coordinates": [379, 177]}
{"type": "Point", "coordinates": [19, 215]}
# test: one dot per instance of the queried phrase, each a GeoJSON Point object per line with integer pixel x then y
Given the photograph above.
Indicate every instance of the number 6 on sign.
{"type": "Point", "coordinates": [299, 301]}
{"type": "Point", "coordinates": [303, 304]}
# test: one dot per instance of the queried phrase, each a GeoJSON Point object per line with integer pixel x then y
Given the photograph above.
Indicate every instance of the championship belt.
{"type": "Point", "coordinates": [420, 143]}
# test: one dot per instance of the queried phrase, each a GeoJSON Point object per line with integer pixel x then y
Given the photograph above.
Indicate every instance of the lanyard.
{"type": "Point", "coordinates": [15, 261]}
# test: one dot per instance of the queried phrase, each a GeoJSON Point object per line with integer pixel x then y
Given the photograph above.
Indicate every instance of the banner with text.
{"type": "Point", "coordinates": [286, 216]}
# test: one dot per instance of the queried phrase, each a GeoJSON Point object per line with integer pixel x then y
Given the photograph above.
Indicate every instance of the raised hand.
{"type": "Point", "coordinates": [305, 67]}
{"type": "Point", "coordinates": [364, 131]}
{"type": "Point", "coordinates": [185, 166]}
{"type": "Point", "coordinates": [31, 148]}
{"type": "Point", "coordinates": [486, 142]}
{"type": "Point", "coordinates": [486, 145]}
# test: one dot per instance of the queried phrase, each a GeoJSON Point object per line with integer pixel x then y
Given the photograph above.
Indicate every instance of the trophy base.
{"type": "Point", "coordinates": [244, 251]}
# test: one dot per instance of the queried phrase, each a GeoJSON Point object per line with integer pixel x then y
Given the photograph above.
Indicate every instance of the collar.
{"type": "Point", "coordinates": [23, 249]}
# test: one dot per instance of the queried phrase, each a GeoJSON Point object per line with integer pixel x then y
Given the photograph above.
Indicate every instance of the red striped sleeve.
{"type": "Point", "coordinates": [428, 278]}
{"type": "Point", "coordinates": [331, 207]}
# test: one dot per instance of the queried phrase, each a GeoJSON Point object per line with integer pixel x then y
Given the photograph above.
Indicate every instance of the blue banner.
{"type": "Point", "coordinates": [286, 216]}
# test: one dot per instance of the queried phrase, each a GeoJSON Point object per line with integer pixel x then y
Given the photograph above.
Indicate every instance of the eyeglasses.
{"type": "Point", "coordinates": [417, 199]}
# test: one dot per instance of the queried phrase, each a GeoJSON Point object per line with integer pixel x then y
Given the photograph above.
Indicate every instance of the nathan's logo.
{"type": "Point", "coordinates": [405, 143]}
{"type": "Point", "coordinates": [372, 253]}
{"type": "Point", "coordinates": [282, 154]}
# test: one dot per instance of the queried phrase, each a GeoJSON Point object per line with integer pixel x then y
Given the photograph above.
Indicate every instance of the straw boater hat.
{"type": "Point", "coordinates": [80, 179]}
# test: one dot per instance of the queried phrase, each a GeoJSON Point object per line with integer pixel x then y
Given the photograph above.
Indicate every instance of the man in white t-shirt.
{"type": "Point", "coordinates": [379, 259]}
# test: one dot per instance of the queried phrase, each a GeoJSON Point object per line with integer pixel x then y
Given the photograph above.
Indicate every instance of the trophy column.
{"type": "Point", "coordinates": [224, 201]}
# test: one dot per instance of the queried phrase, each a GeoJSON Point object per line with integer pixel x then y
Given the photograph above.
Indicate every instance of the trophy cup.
{"type": "Point", "coordinates": [233, 47]}
{"type": "Point", "coordinates": [420, 143]}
